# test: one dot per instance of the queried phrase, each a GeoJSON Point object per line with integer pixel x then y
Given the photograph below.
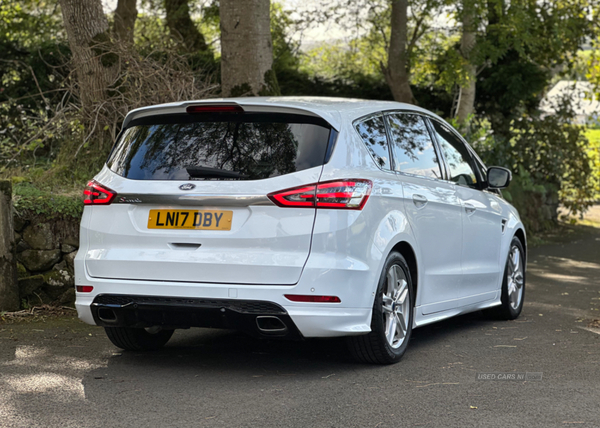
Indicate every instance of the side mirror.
{"type": "Point", "coordinates": [498, 177]}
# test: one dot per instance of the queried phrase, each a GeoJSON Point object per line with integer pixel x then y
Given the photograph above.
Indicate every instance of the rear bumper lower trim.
{"type": "Point", "coordinates": [114, 310]}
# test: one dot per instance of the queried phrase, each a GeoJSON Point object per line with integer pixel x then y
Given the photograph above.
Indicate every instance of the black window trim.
{"type": "Point", "coordinates": [428, 118]}
{"type": "Point", "coordinates": [362, 119]}
{"type": "Point", "coordinates": [471, 161]}
{"type": "Point", "coordinates": [436, 148]}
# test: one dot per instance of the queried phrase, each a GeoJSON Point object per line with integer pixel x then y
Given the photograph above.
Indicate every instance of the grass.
{"type": "Point", "coordinates": [48, 203]}
{"type": "Point", "coordinates": [46, 190]}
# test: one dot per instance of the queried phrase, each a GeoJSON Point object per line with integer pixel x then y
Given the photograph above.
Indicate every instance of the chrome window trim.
{"type": "Point", "coordinates": [193, 199]}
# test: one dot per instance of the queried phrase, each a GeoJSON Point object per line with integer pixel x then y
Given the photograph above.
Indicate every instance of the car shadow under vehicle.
{"type": "Point", "coordinates": [226, 349]}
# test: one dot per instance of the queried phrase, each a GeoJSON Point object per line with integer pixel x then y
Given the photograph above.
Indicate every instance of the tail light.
{"type": "Point", "coordinates": [96, 194]}
{"type": "Point", "coordinates": [338, 194]}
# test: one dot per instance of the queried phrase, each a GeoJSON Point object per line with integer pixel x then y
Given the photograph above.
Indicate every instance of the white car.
{"type": "Point", "coordinates": [295, 217]}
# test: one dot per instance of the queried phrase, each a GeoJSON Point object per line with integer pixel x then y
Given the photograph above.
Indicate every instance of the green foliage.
{"type": "Point", "coordinates": [511, 88]}
{"type": "Point", "coordinates": [593, 150]}
{"type": "Point", "coordinates": [285, 49]}
{"type": "Point", "coordinates": [535, 202]}
{"type": "Point", "coordinates": [552, 152]}
{"type": "Point", "coordinates": [33, 54]}
{"type": "Point", "coordinates": [358, 57]}
{"type": "Point", "coordinates": [30, 23]}
{"type": "Point", "coordinates": [28, 199]}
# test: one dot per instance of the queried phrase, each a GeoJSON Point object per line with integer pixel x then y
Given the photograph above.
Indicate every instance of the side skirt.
{"type": "Point", "coordinates": [420, 319]}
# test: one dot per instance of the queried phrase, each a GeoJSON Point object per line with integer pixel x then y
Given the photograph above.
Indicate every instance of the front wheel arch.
{"type": "Point", "coordinates": [520, 234]}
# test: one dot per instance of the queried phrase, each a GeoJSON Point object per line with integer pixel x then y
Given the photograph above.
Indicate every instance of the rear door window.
{"type": "Point", "coordinates": [412, 147]}
{"type": "Point", "coordinates": [252, 146]}
{"type": "Point", "coordinates": [372, 132]}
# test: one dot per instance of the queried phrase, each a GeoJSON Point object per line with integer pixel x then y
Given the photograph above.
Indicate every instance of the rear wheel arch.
{"type": "Point", "coordinates": [409, 255]}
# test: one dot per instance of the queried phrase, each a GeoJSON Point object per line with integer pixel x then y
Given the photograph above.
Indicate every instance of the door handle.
{"type": "Point", "coordinates": [470, 209]}
{"type": "Point", "coordinates": [419, 200]}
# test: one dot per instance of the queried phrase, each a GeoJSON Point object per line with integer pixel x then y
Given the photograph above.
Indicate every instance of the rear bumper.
{"type": "Point", "coordinates": [307, 320]}
{"type": "Point", "coordinates": [260, 319]}
{"type": "Point", "coordinates": [323, 276]}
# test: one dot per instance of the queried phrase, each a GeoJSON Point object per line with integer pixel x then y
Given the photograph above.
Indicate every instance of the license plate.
{"type": "Point", "coordinates": [190, 219]}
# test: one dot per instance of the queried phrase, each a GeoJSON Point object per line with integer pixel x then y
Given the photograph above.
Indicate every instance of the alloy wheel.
{"type": "Point", "coordinates": [396, 306]}
{"type": "Point", "coordinates": [515, 277]}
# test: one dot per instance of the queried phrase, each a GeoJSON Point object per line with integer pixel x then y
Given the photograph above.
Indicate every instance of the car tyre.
{"type": "Point", "coordinates": [138, 339]}
{"type": "Point", "coordinates": [513, 284]}
{"type": "Point", "coordinates": [391, 323]}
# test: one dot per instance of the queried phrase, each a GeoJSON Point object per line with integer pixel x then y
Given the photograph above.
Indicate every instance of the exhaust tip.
{"type": "Point", "coordinates": [107, 315]}
{"type": "Point", "coordinates": [270, 325]}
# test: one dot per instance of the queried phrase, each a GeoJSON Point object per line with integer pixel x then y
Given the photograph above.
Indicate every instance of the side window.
{"type": "Point", "coordinates": [457, 156]}
{"type": "Point", "coordinates": [372, 132]}
{"type": "Point", "coordinates": [412, 147]}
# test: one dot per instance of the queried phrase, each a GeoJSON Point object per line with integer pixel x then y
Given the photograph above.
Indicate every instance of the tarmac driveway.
{"type": "Point", "coordinates": [63, 373]}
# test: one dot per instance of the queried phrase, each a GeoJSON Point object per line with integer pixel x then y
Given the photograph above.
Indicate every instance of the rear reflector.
{"type": "Point", "coordinates": [96, 194]}
{"type": "Point", "coordinates": [337, 194]}
{"type": "Point", "coordinates": [312, 299]}
{"type": "Point", "coordinates": [84, 288]}
{"type": "Point", "coordinates": [214, 109]}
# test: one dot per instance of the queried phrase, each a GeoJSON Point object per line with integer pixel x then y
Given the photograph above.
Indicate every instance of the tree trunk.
{"type": "Point", "coordinates": [466, 100]}
{"type": "Point", "coordinates": [87, 30]}
{"type": "Point", "coordinates": [9, 288]}
{"type": "Point", "coordinates": [182, 28]}
{"type": "Point", "coordinates": [246, 48]}
{"type": "Point", "coordinates": [125, 17]}
{"type": "Point", "coordinates": [397, 73]}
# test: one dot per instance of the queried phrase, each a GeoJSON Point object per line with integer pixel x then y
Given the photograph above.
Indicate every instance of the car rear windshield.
{"type": "Point", "coordinates": [253, 145]}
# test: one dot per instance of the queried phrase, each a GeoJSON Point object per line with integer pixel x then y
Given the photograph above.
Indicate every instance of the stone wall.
{"type": "Point", "coordinates": [46, 249]}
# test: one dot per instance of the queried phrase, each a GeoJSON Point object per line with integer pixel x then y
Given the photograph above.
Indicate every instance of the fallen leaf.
{"type": "Point", "coordinates": [594, 324]}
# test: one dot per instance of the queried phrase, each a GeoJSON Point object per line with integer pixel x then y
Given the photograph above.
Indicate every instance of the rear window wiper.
{"type": "Point", "coordinates": [205, 172]}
